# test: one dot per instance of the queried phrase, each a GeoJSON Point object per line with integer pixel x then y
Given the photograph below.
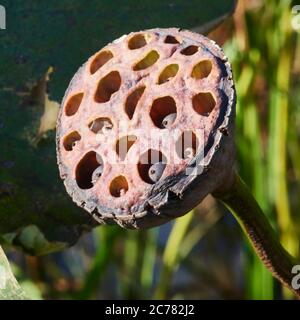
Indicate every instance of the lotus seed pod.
{"type": "Point", "coordinates": [157, 108]}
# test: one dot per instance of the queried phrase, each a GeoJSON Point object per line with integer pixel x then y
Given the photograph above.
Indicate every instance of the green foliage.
{"type": "Point", "coordinates": [263, 65]}
{"type": "Point", "coordinates": [63, 34]}
{"type": "Point", "coordinates": [30, 190]}
{"type": "Point", "coordinates": [9, 287]}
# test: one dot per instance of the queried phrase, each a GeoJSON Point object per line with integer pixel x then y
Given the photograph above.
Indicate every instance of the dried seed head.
{"type": "Point", "coordinates": [156, 171]}
{"type": "Point", "coordinates": [139, 126]}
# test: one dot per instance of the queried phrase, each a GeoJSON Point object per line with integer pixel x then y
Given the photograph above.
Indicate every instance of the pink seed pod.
{"type": "Point", "coordinates": [145, 129]}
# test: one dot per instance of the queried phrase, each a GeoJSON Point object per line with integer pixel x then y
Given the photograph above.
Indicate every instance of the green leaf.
{"type": "Point", "coordinates": [63, 34]}
{"type": "Point", "coordinates": [9, 287]}
{"type": "Point", "coordinates": [31, 193]}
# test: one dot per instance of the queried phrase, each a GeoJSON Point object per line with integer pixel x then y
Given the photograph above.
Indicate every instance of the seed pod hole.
{"type": "Point", "coordinates": [169, 72]}
{"type": "Point", "coordinates": [73, 104]}
{"type": "Point", "coordinates": [189, 51]}
{"type": "Point", "coordinates": [187, 145]}
{"type": "Point", "coordinates": [101, 125]}
{"type": "Point", "coordinates": [124, 144]}
{"type": "Point", "coordinates": [137, 41]}
{"type": "Point", "coordinates": [85, 169]}
{"type": "Point", "coordinates": [202, 69]}
{"type": "Point", "coordinates": [171, 39]}
{"type": "Point", "coordinates": [203, 103]}
{"type": "Point", "coordinates": [151, 166]}
{"type": "Point", "coordinates": [118, 186]}
{"type": "Point", "coordinates": [70, 140]}
{"type": "Point", "coordinates": [147, 61]}
{"type": "Point", "coordinates": [107, 86]}
{"type": "Point", "coordinates": [100, 60]}
{"type": "Point", "coordinates": [132, 101]}
{"type": "Point", "coordinates": [160, 109]}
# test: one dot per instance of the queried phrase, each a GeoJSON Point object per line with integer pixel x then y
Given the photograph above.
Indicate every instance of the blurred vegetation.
{"type": "Point", "coordinates": [9, 287]}
{"type": "Point", "coordinates": [264, 53]}
{"type": "Point", "coordinates": [203, 255]}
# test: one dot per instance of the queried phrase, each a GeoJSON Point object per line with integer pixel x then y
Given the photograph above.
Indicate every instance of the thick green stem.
{"type": "Point", "coordinates": [259, 231]}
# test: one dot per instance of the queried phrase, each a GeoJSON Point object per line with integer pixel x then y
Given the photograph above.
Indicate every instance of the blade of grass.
{"type": "Point", "coordinates": [149, 259]}
{"type": "Point", "coordinates": [171, 254]}
{"type": "Point", "coordinates": [278, 135]}
{"type": "Point", "coordinates": [106, 238]}
{"type": "Point", "coordinates": [259, 283]}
